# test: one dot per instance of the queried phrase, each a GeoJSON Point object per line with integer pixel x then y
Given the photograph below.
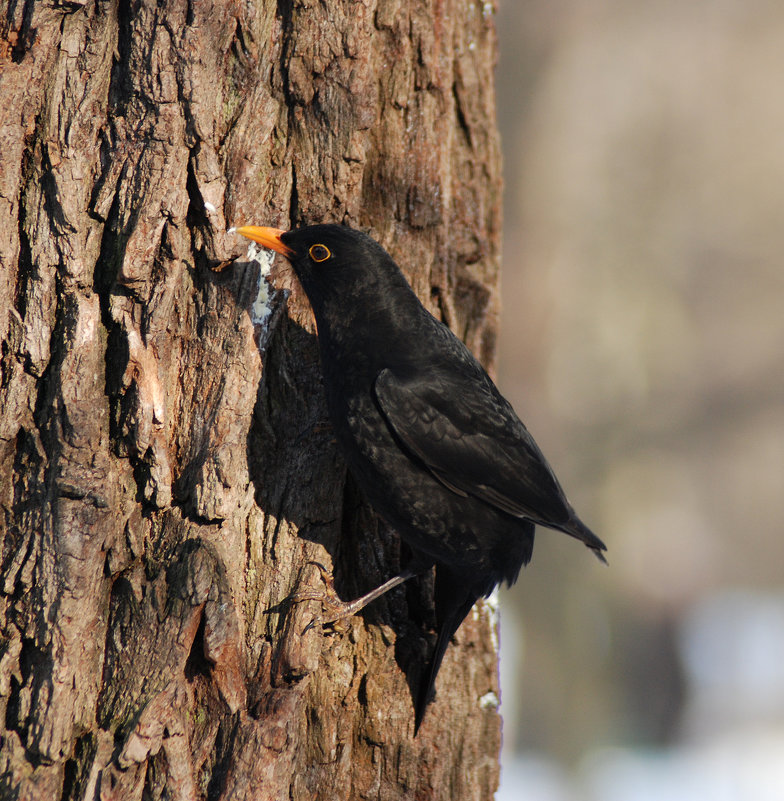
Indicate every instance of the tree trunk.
{"type": "Point", "coordinates": [167, 473]}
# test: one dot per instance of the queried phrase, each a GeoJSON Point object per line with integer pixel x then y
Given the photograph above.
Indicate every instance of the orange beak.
{"type": "Point", "coordinates": [269, 237]}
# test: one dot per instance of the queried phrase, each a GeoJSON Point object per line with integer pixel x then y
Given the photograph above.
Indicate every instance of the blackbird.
{"type": "Point", "coordinates": [438, 451]}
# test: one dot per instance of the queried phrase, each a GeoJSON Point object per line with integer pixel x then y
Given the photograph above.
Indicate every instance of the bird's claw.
{"type": "Point", "coordinates": [334, 610]}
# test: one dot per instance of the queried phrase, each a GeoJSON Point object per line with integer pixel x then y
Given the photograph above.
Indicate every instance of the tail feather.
{"type": "Point", "coordinates": [453, 603]}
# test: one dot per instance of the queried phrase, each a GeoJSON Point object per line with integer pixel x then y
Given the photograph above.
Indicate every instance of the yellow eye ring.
{"type": "Point", "coordinates": [319, 252]}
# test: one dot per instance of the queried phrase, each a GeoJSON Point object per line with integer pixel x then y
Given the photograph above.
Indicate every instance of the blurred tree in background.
{"type": "Point", "coordinates": [643, 343]}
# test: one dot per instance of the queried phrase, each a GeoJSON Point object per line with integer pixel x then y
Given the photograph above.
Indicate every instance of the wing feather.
{"type": "Point", "coordinates": [471, 440]}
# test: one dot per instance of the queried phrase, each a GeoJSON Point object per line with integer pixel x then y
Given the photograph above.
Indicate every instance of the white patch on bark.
{"type": "Point", "coordinates": [489, 607]}
{"type": "Point", "coordinates": [262, 306]}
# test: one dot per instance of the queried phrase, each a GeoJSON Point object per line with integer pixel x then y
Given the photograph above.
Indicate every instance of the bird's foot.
{"type": "Point", "coordinates": [335, 610]}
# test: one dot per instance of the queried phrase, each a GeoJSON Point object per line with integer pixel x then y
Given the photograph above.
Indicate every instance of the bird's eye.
{"type": "Point", "coordinates": [319, 252]}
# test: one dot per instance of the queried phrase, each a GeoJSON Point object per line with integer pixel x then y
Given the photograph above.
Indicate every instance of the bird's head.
{"type": "Point", "coordinates": [331, 261]}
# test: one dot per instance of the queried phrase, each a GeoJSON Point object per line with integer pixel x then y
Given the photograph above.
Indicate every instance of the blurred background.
{"type": "Point", "coordinates": [643, 345]}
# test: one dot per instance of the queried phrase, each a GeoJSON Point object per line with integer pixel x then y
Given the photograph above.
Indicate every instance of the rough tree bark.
{"type": "Point", "coordinates": [167, 475]}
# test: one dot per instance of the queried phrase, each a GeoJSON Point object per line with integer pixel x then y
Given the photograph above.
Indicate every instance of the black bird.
{"type": "Point", "coordinates": [437, 450]}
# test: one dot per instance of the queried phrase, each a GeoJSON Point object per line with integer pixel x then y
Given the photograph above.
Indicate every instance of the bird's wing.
{"type": "Point", "coordinates": [471, 440]}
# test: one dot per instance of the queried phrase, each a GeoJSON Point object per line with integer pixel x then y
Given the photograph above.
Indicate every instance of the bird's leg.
{"type": "Point", "coordinates": [334, 608]}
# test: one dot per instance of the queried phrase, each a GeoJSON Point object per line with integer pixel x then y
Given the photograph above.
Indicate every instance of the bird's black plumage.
{"type": "Point", "coordinates": [440, 454]}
